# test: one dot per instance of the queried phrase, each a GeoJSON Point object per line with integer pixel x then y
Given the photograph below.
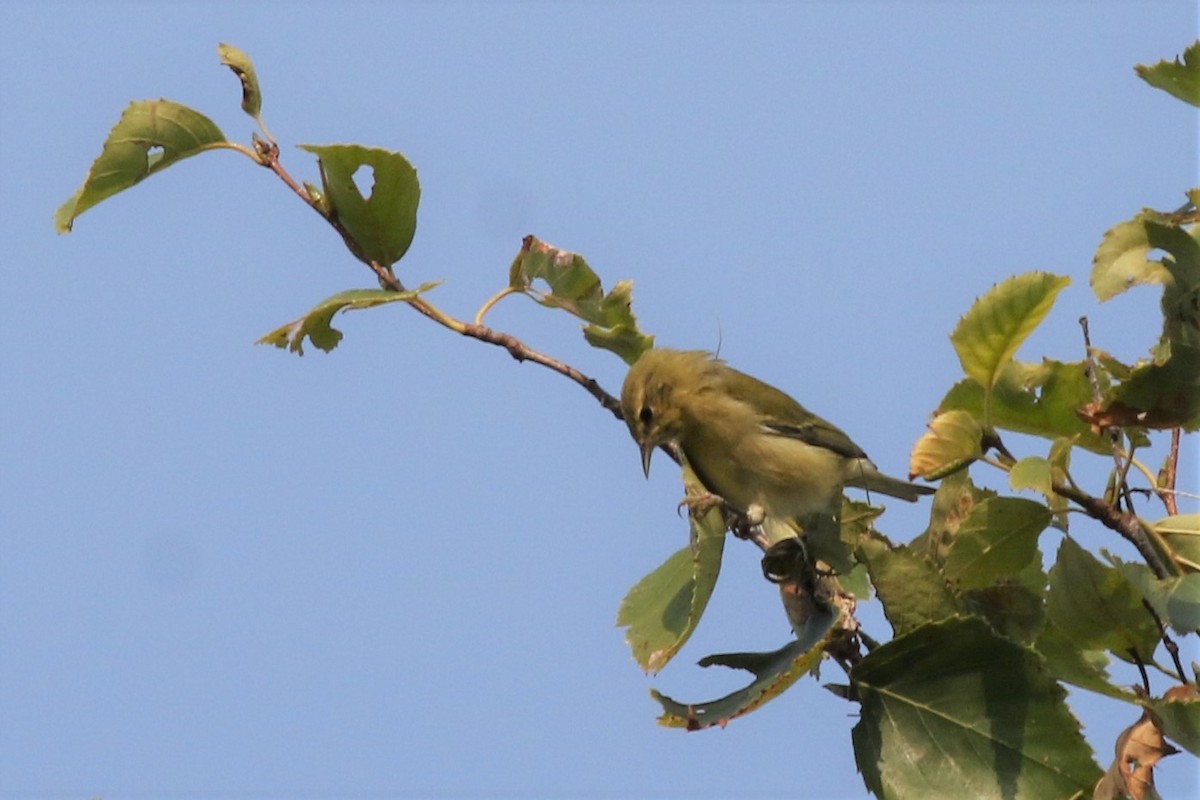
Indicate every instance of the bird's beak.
{"type": "Point", "coordinates": [647, 451]}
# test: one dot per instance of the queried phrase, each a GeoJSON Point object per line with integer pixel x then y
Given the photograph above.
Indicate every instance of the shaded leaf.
{"type": "Point", "coordinates": [1087, 669]}
{"type": "Point", "coordinates": [575, 288]}
{"type": "Point", "coordinates": [1175, 600]}
{"type": "Point", "coordinates": [1014, 611]}
{"type": "Point", "coordinates": [150, 136]}
{"type": "Point", "coordinates": [997, 540]}
{"type": "Point", "coordinates": [773, 673]}
{"type": "Point", "coordinates": [662, 610]}
{"type": "Point", "coordinates": [380, 225]}
{"type": "Point", "coordinates": [317, 326]}
{"type": "Point", "coordinates": [911, 589]}
{"type": "Point", "coordinates": [1182, 535]}
{"type": "Point", "coordinates": [1096, 607]}
{"type": "Point", "coordinates": [243, 67]}
{"type": "Point", "coordinates": [954, 710]}
{"type": "Point", "coordinates": [988, 335]}
{"type": "Point", "coordinates": [953, 441]}
{"type": "Point", "coordinates": [1180, 79]}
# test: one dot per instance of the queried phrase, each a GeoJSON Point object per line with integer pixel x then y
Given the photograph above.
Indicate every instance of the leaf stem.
{"type": "Point", "coordinates": [491, 301]}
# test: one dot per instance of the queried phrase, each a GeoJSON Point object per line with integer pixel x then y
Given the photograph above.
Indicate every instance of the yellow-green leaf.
{"type": "Point", "coordinates": [150, 136]}
{"type": "Point", "coordinates": [1178, 78]}
{"type": "Point", "coordinates": [989, 334]}
{"type": "Point", "coordinates": [953, 441]}
{"type": "Point", "coordinates": [243, 67]}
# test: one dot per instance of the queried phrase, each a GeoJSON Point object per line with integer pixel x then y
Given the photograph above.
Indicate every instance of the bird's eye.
{"type": "Point", "coordinates": [646, 415]}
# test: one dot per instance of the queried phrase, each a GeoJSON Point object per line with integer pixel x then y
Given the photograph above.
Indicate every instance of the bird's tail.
{"type": "Point", "coordinates": [869, 478]}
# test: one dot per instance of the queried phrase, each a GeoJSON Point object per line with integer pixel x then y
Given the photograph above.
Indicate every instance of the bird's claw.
{"type": "Point", "coordinates": [700, 504]}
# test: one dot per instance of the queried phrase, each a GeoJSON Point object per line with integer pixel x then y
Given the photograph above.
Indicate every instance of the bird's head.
{"type": "Point", "coordinates": [651, 400]}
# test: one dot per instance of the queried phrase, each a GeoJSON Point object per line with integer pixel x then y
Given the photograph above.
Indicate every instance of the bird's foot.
{"type": "Point", "coordinates": [700, 504]}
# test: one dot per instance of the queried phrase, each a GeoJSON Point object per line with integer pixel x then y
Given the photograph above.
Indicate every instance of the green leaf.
{"type": "Point", "coordinates": [150, 136]}
{"type": "Point", "coordinates": [953, 441]}
{"type": "Point", "coordinates": [1176, 600]}
{"type": "Point", "coordinates": [243, 67]}
{"type": "Point", "coordinates": [380, 226]}
{"type": "Point", "coordinates": [1164, 391]}
{"type": "Point", "coordinates": [1180, 715]}
{"type": "Point", "coordinates": [317, 326]}
{"type": "Point", "coordinates": [1182, 535]}
{"type": "Point", "coordinates": [662, 610]}
{"type": "Point", "coordinates": [989, 334]}
{"type": "Point", "coordinates": [910, 587]}
{"type": "Point", "coordinates": [1180, 79]}
{"type": "Point", "coordinates": [575, 288]}
{"type": "Point", "coordinates": [1121, 261]}
{"type": "Point", "coordinates": [996, 541]}
{"type": "Point", "coordinates": [955, 499]}
{"type": "Point", "coordinates": [954, 710]}
{"type": "Point", "coordinates": [1083, 668]}
{"type": "Point", "coordinates": [1015, 608]}
{"type": "Point", "coordinates": [1096, 607]}
{"type": "Point", "coordinates": [773, 673]}
{"type": "Point", "coordinates": [1037, 399]}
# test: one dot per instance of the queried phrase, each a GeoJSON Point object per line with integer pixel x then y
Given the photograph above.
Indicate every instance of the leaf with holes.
{"type": "Point", "coordinates": [317, 326]}
{"type": "Point", "coordinates": [379, 223]}
{"type": "Point", "coordinates": [243, 67]}
{"type": "Point", "coordinates": [576, 289]}
{"type": "Point", "coordinates": [150, 136]}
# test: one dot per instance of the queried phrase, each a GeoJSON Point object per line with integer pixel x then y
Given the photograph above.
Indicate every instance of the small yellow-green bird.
{"type": "Point", "coordinates": [750, 444]}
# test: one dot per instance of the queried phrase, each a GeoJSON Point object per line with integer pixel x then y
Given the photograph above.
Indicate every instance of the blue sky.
{"type": "Point", "coordinates": [393, 570]}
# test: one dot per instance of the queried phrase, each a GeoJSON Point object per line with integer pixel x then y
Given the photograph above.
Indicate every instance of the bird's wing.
{"type": "Point", "coordinates": [782, 415]}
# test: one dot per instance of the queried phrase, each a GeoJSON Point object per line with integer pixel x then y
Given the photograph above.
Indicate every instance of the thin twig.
{"type": "Point", "coordinates": [1123, 522]}
{"type": "Point", "coordinates": [388, 280]}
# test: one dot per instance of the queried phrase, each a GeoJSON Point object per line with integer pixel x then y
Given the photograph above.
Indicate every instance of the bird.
{"type": "Point", "coordinates": [752, 446]}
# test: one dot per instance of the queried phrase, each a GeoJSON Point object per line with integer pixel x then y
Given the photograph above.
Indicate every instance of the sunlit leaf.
{"type": "Point", "coordinates": [955, 499]}
{"type": "Point", "coordinates": [317, 326]}
{"type": "Point", "coordinates": [1122, 259]}
{"type": "Point", "coordinates": [988, 335]}
{"type": "Point", "coordinates": [997, 540]}
{"type": "Point", "coordinates": [953, 441]}
{"type": "Point", "coordinates": [1038, 399]}
{"type": "Point", "coordinates": [562, 279]}
{"type": "Point", "coordinates": [1182, 535]}
{"type": "Point", "coordinates": [379, 223]}
{"type": "Point", "coordinates": [954, 710]}
{"type": "Point", "coordinates": [243, 67]}
{"type": "Point", "coordinates": [1180, 79]}
{"type": "Point", "coordinates": [662, 610]}
{"type": "Point", "coordinates": [150, 136]}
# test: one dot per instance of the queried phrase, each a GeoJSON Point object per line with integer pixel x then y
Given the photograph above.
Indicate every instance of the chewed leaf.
{"type": "Point", "coordinates": [1180, 79]}
{"type": "Point", "coordinates": [1121, 261]}
{"type": "Point", "coordinates": [243, 67]}
{"type": "Point", "coordinates": [150, 136]}
{"type": "Point", "coordinates": [1164, 390]}
{"type": "Point", "coordinates": [988, 335]}
{"type": "Point", "coordinates": [380, 224]}
{"type": "Point", "coordinates": [662, 610]}
{"type": "Point", "coordinates": [575, 288]}
{"type": "Point", "coordinates": [773, 673]}
{"type": "Point", "coordinates": [317, 326]}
